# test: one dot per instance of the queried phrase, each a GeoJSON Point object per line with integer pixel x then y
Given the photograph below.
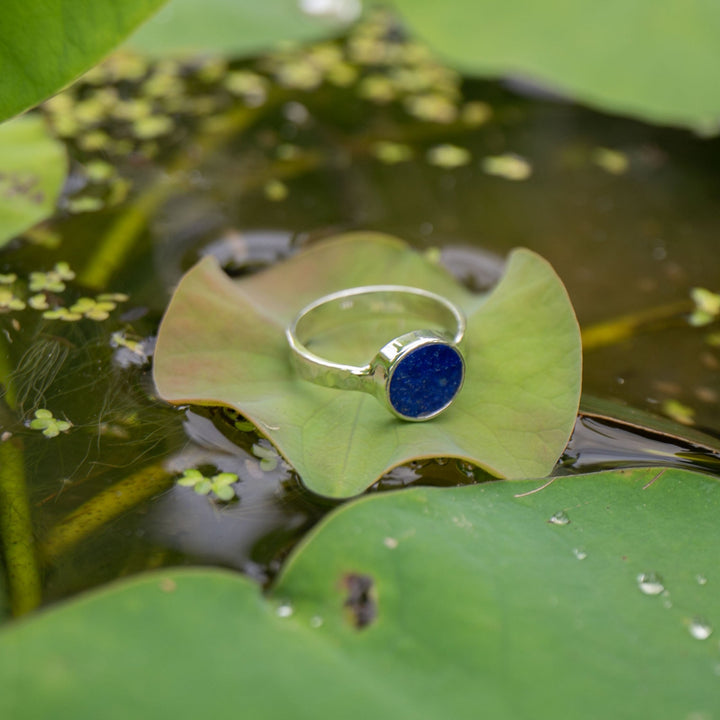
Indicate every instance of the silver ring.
{"type": "Point", "coordinates": [416, 375]}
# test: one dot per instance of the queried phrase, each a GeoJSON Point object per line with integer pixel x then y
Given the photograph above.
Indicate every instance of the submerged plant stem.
{"type": "Point", "coordinates": [611, 332]}
{"type": "Point", "coordinates": [104, 507]}
{"type": "Point", "coordinates": [116, 245]}
{"type": "Point", "coordinates": [114, 248]}
{"type": "Point", "coordinates": [16, 532]}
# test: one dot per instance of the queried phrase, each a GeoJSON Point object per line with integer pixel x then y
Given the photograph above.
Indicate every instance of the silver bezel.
{"type": "Point", "coordinates": [393, 353]}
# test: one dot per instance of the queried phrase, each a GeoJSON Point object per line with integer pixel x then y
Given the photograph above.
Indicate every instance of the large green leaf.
{"type": "Point", "coordinates": [45, 44]}
{"type": "Point", "coordinates": [657, 59]}
{"type": "Point", "coordinates": [32, 169]}
{"type": "Point", "coordinates": [229, 26]}
{"type": "Point", "coordinates": [483, 609]}
{"type": "Point", "coordinates": [223, 342]}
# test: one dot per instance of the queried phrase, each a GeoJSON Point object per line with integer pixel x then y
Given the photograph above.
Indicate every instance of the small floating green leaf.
{"type": "Point", "coordinates": [707, 306]}
{"type": "Point", "coordinates": [53, 280]}
{"type": "Point", "coordinates": [219, 485]}
{"type": "Point", "coordinates": [508, 166]}
{"type": "Point", "coordinates": [448, 156]}
{"type": "Point", "coordinates": [612, 161]}
{"type": "Point", "coordinates": [50, 426]}
{"type": "Point", "coordinates": [8, 301]}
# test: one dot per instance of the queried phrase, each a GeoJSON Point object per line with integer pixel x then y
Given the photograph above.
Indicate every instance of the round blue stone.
{"type": "Point", "coordinates": [425, 380]}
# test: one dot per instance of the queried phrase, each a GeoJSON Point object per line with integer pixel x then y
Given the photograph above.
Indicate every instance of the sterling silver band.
{"type": "Point", "coordinates": [416, 375]}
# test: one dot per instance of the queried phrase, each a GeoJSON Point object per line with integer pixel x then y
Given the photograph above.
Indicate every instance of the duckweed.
{"type": "Point", "coordinates": [219, 486]}
{"type": "Point", "coordinates": [432, 107]}
{"type": "Point", "coordinates": [38, 302]}
{"type": "Point", "coordinates": [93, 309]}
{"type": "Point", "coordinates": [448, 156]}
{"type": "Point", "coordinates": [392, 153]}
{"type": "Point", "coordinates": [611, 161]}
{"type": "Point", "coordinates": [707, 306]}
{"type": "Point", "coordinates": [8, 301]}
{"type": "Point", "coordinates": [678, 411]}
{"type": "Point", "coordinates": [508, 166]}
{"type": "Point", "coordinates": [50, 426]}
{"type": "Point", "coordinates": [275, 190]}
{"type": "Point", "coordinates": [53, 280]}
{"type": "Point", "coordinates": [268, 456]}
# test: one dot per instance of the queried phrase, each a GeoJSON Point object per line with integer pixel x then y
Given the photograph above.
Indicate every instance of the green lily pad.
{"type": "Point", "coordinates": [632, 417]}
{"type": "Point", "coordinates": [223, 343]}
{"type": "Point", "coordinates": [44, 46]}
{"type": "Point", "coordinates": [228, 26]}
{"type": "Point", "coordinates": [33, 167]}
{"type": "Point", "coordinates": [608, 54]}
{"type": "Point", "coordinates": [473, 604]}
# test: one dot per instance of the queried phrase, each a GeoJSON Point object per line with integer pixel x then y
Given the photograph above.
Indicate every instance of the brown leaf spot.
{"type": "Point", "coordinates": [14, 185]}
{"type": "Point", "coordinates": [361, 600]}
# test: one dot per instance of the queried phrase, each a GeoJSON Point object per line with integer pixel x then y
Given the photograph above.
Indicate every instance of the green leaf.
{"type": "Point", "coordinates": [622, 414]}
{"type": "Point", "coordinates": [656, 59]}
{"type": "Point", "coordinates": [223, 492]}
{"type": "Point", "coordinates": [223, 343]}
{"type": "Point", "coordinates": [229, 26]}
{"type": "Point", "coordinates": [203, 487]}
{"type": "Point", "coordinates": [32, 170]}
{"type": "Point", "coordinates": [482, 608]}
{"type": "Point", "coordinates": [45, 45]}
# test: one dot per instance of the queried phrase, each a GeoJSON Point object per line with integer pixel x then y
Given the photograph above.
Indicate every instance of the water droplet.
{"type": "Point", "coordinates": [650, 583]}
{"type": "Point", "coordinates": [559, 518]}
{"type": "Point", "coordinates": [700, 629]}
{"type": "Point", "coordinates": [316, 621]}
{"type": "Point", "coordinates": [285, 610]}
{"type": "Point", "coordinates": [701, 579]}
{"type": "Point", "coordinates": [579, 554]}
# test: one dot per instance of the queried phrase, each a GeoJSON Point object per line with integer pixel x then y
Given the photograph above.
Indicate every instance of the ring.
{"type": "Point", "coordinates": [416, 375]}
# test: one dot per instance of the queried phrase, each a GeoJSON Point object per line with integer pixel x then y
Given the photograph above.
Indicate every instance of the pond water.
{"type": "Point", "coordinates": [252, 161]}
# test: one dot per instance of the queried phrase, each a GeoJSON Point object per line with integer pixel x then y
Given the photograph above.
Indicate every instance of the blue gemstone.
{"type": "Point", "coordinates": [425, 380]}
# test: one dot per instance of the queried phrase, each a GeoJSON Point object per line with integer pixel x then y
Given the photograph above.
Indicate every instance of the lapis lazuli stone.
{"type": "Point", "coordinates": [426, 380]}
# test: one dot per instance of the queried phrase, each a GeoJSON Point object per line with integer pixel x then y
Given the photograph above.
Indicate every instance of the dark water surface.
{"type": "Point", "coordinates": [628, 233]}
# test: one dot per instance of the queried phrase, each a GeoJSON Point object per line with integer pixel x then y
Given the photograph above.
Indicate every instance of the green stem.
{"type": "Point", "coordinates": [16, 530]}
{"type": "Point", "coordinates": [101, 509]}
{"type": "Point", "coordinates": [119, 241]}
{"type": "Point", "coordinates": [115, 247]}
{"type": "Point", "coordinates": [611, 332]}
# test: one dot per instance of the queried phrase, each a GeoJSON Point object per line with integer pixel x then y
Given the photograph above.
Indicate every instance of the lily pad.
{"type": "Point", "coordinates": [608, 54]}
{"type": "Point", "coordinates": [33, 167]}
{"type": "Point", "coordinates": [44, 46]}
{"type": "Point", "coordinates": [228, 26]}
{"type": "Point", "coordinates": [626, 415]}
{"type": "Point", "coordinates": [223, 343]}
{"type": "Point", "coordinates": [473, 605]}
